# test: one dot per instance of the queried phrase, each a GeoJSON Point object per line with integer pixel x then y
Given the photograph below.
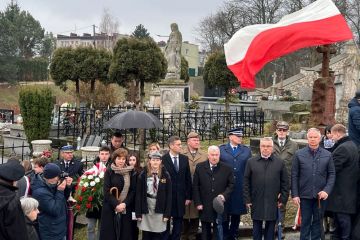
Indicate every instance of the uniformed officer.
{"type": "Point", "coordinates": [235, 155]}
{"type": "Point", "coordinates": [68, 164]}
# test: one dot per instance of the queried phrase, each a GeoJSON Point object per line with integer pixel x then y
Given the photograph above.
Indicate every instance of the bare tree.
{"type": "Point", "coordinates": [109, 24]}
{"type": "Point", "coordinates": [353, 17]}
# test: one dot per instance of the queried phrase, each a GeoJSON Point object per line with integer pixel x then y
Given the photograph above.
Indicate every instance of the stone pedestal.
{"type": "Point", "coordinates": [172, 95]}
{"type": "Point", "coordinates": [39, 146]}
{"type": "Point", "coordinates": [155, 98]}
{"type": "Point", "coordinates": [89, 153]}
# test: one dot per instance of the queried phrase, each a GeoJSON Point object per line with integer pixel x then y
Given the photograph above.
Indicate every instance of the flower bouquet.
{"type": "Point", "coordinates": [89, 189]}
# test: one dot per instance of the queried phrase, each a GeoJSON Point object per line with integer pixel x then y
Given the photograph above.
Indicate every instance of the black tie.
{"type": "Point", "coordinates": [66, 166]}
{"type": "Point", "coordinates": [176, 164]}
{"type": "Point", "coordinates": [155, 186]}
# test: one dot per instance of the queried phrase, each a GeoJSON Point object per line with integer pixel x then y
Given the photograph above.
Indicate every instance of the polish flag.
{"type": "Point", "coordinates": [253, 46]}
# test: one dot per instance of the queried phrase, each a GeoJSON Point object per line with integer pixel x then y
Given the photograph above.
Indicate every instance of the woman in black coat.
{"type": "Point", "coordinates": [153, 198]}
{"type": "Point", "coordinates": [119, 192]}
{"type": "Point", "coordinates": [134, 161]}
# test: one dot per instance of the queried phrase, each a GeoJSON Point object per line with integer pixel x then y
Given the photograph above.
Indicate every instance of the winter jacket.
{"type": "Point", "coordinates": [31, 230]}
{"type": "Point", "coordinates": [12, 219]}
{"type": "Point", "coordinates": [311, 174]}
{"type": "Point", "coordinates": [237, 162]}
{"type": "Point", "coordinates": [190, 211]}
{"type": "Point", "coordinates": [285, 153]}
{"type": "Point", "coordinates": [354, 121]}
{"type": "Point", "coordinates": [52, 207]}
{"type": "Point", "coordinates": [163, 197]}
{"type": "Point", "coordinates": [264, 180]}
{"type": "Point", "coordinates": [343, 197]}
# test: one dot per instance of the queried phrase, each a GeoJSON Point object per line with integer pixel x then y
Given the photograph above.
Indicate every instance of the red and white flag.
{"type": "Point", "coordinates": [253, 46]}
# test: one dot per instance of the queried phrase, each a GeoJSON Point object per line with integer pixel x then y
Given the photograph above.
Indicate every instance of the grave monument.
{"type": "Point", "coordinates": [172, 87]}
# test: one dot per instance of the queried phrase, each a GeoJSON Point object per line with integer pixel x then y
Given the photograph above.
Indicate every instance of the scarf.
{"type": "Point", "coordinates": [125, 173]}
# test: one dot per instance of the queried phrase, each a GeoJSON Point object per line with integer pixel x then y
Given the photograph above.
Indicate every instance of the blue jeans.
{"type": "Point", "coordinates": [91, 228]}
{"type": "Point", "coordinates": [219, 227]}
{"type": "Point", "coordinates": [268, 232]}
{"type": "Point", "coordinates": [310, 219]}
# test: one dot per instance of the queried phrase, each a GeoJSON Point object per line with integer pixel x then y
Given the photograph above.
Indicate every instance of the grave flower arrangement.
{"type": "Point", "coordinates": [89, 189]}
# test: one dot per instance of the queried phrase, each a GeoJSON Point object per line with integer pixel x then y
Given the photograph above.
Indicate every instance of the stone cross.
{"type": "Point", "coordinates": [274, 78]}
{"type": "Point", "coordinates": [326, 50]}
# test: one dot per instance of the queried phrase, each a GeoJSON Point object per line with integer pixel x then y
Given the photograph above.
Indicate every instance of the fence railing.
{"type": "Point", "coordinates": [210, 124]}
{"type": "Point", "coordinates": [20, 152]}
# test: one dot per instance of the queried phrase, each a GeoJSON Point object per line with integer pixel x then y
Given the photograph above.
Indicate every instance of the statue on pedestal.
{"type": "Point", "coordinates": [173, 53]}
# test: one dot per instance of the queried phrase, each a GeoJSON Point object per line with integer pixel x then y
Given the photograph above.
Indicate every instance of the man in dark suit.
{"type": "Point", "coordinates": [68, 164]}
{"type": "Point", "coordinates": [343, 198]}
{"type": "Point", "coordinates": [178, 167]}
{"type": "Point", "coordinates": [212, 179]}
{"type": "Point", "coordinates": [235, 155]}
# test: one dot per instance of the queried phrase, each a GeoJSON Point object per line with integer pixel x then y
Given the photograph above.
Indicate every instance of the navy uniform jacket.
{"type": "Point", "coordinates": [75, 170]}
{"type": "Point", "coordinates": [237, 161]}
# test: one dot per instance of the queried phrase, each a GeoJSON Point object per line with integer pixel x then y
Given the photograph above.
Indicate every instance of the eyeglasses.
{"type": "Point", "coordinates": [282, 130]}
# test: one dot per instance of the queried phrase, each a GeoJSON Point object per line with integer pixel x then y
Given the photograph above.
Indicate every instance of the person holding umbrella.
{"type": "Point", "coordinates": [153, 198]}
{"type": "Point", "coordinates": [119, 193]}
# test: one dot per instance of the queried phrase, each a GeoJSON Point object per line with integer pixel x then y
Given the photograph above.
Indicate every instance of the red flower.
{"type": "Point", "coordinates": [83, 189]}
{"type": "Point", "coordinates": [80, 198]}
{"type": "Point", "coordinates": [88, 205]}
{"type": "Point", "coordinates": [90, 198]}
{"type": "Point", "coordinates": [78, 207]}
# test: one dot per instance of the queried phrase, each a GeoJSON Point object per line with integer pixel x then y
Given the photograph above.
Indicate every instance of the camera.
{"type": "Point", "coordinates": [63, 175]}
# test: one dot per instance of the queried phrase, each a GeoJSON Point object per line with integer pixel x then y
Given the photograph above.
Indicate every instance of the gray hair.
{"type": "Point", "coordinates": [313, 130]}
{"type": "Point", "coordinates": [213, 148]}
{"type": "Point", "coordinates": [267, 139]}
{"type": "Point", "coordinates": [29, 204]}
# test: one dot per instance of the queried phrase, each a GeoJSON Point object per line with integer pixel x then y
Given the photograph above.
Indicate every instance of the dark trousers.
{"type": "Point", "coordinates": [134, 229]}
{"type": "Point", "coordinates": [176, 229]}
{"type": "Point", "coordinates": [151, 235]}
{"type": "Point", "coordinates": [310, 218]}
{"type": "Point", "coordinates": [190, 229]}
{"type": "Point", "coordinates": [259, 232]}
{"type": "Point", "coordinates": [206, 229]}
{"type": "Point", "coordinates": [343, 226]}
{"type": "Point", "coordinates": [231, 227]}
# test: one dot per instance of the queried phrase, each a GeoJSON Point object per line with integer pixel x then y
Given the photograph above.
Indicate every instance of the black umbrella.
{"type": "Point", "coordinates": [322, 234]}
{"type": "Point", "coordinates": [133, 119]}
{"type": "Point", "coordinates": [117, 217]}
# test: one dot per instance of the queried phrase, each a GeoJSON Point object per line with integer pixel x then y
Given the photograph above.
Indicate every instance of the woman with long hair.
{"type": "Point", "coordinates": [134, 161]}
{"type": "Point", "coordinates": [153, 198]}
{"type": "Point", "coordinates": [119, 193]}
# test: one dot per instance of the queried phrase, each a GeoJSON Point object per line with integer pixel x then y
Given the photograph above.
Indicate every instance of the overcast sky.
{"type": "Point", "coordinates": [63, 16]}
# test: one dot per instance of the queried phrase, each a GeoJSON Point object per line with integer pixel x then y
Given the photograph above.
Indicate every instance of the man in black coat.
{"type": "Point", "coordinates": [266, 189]}
{"type": "Point", "coordinates": [68, 164]}
{"type": "Point", "coordinates": [12, 220]}
{"type": "Point", "coordinates": [212, 179]}
{"type": "Point", "coordinates": [178, 167]}
{"type": "Point", "coordinates": [342, 200]}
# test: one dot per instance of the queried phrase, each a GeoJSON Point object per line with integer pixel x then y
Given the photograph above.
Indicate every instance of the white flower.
{"type": "Point", "coordinates": [92, 183]}
{"type": "Point", "coordinates": [101, 175]}
{"type": "Point", "coordinates": [97, 180]}
{"type": "Point", "coordinates": [86, 184]}
{"type": "Point", "coordinates": [90, 177]}
{"type": "Point", "coordinates": [81, 183]}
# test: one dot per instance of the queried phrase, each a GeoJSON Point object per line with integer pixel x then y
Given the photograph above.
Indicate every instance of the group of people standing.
{"type": "Point", "coordinates": [173, 192]}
